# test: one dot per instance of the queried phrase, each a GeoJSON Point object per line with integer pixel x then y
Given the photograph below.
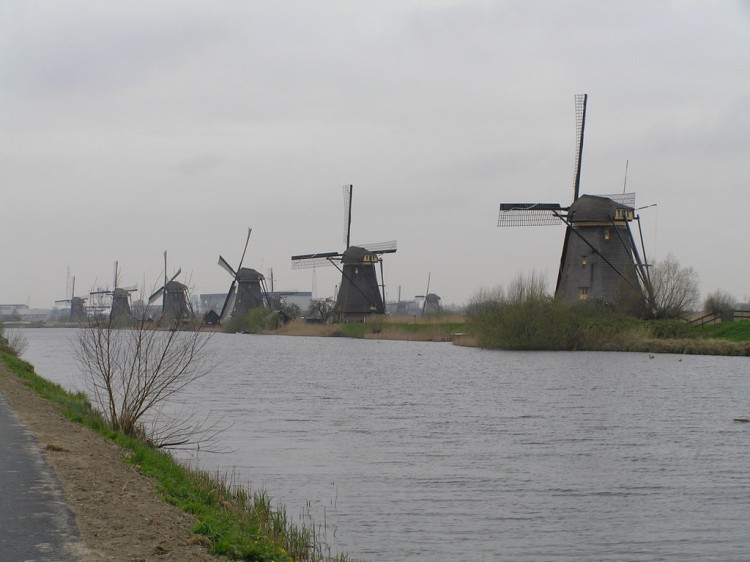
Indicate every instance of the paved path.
{"type": "Point", "coordinates": [35, 523]}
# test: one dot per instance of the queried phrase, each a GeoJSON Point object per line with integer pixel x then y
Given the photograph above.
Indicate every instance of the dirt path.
{"type": "Point", "coordinates": [118, 512]}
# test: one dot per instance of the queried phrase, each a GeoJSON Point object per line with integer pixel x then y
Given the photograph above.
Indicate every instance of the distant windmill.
{"type": "Point", "coordinates": [431, 303]}
{"type": "Point", "coordinates": [248, 287]}
{"type": "Point", "coordinates": [77, 311]}
{"type": "Point", "coordinates": [600, 259]}
{"type": "Point", "coordinates": [120, 310]}
{"type": "Point", "coordinates": [175, 305]}
{"type": "Point", "coordinates": [359, 293]}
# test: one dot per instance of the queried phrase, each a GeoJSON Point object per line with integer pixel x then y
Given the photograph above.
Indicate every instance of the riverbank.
{"type": "Point", "coordinates": [118, 510]}
{"type": "Point", "coordinates": [172, 512]}
{"type": "Point", "coordinates": [619, 334]}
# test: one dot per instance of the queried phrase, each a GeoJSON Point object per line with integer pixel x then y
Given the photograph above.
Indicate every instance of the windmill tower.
{"type": "Point", "coordinates": [77, 310]}
{"type": "Point", "coordinates": [359, 293]}
{"type": "Point", "coordinates": [248, 287]}
{"type": "Point", "coordinates": [600, 259]}
{"type": "Point", "coordinates": [175, 305]}
{"type": "Point", "coordinates": [120, 311]}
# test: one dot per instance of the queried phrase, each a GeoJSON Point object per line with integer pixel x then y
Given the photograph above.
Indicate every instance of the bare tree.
{"type": "Point", "coordinates": [720, 302]}
{"type": "Point", "coordinates": [132, 374]}
{"type": "Point", "coordinates": [322, 309]}
{"type": "Point", "coordinates": [676, 290]}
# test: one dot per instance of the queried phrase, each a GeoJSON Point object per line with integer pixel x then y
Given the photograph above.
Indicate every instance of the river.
{"type": "Point", "coordinates": [429, 451]}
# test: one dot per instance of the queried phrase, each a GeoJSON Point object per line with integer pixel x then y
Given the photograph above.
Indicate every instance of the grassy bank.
{"type": "Point", "coordinates": [232, 520]}
{"type": "Point", "coordinates": [431, 328]}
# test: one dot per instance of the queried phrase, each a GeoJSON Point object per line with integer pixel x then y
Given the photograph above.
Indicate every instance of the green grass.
{"type": "Point", "coordinates": [731, 331]}
{"type": "Point", "coordinates": [239, 523]}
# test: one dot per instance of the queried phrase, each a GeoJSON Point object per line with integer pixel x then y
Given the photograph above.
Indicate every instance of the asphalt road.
{"type": "Point", "coordinates": [35, 522]}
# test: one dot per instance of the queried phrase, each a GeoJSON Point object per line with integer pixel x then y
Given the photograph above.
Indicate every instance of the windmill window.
{"type": "Point", "coordinates": [606, 234]}
{"type": "Point", "coordinates": [584, 261]}
{"type": "Point", "coordinates": [583, 293]}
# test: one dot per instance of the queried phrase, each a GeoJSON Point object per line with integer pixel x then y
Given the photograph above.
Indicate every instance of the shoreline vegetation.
{"type": "Point", "coordinates": [231, 520]}
{"type": "Point", "coordinates": [548, 327]}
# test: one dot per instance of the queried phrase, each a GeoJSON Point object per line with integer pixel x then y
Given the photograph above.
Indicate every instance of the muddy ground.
{"type": "Point", "coordinates": [118, 511]}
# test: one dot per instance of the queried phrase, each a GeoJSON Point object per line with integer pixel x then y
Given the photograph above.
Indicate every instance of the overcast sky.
{"type": "Point", "coordinates": [130, 128]}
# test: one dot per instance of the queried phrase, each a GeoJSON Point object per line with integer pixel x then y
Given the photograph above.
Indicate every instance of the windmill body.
{"type": "Point", "coordinates": [600, 260]}
{"type": "Point", "coordinates": [359, 292]}
{"type": "Point", "coordinates": [432, 304]}
{"type": "Point", "coordinates": [249, 291]}
{"type": "Point", "coordinates": [597, 260]}
{"type": "Point", "coordinates": [176, 305]}
{"type": "Point", "coordinates": [120, 311]}
{"type": "Point", "coordinates": [77, 309]}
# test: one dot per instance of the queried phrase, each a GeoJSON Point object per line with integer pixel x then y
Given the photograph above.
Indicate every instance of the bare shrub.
{"type": "Point", "coordinates": [17, 342]}
{"type": "Point", "coordinates": [720, 302]}
{"type": "Point", "coordinates": [133, 373]}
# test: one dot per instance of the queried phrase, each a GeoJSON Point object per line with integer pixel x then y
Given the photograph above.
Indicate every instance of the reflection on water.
{"type": "Point", "coordinates": [427, 451]}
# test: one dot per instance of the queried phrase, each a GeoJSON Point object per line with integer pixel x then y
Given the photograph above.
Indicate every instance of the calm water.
{"type": "Point", "coordinates": [423, 451]}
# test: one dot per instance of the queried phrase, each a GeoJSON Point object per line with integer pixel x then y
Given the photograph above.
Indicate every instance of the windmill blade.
{"type": "Point", "coordinates": [249, 232]}
{"type": "Point", "coordinates": [530, 214]}
{"type": "Point", "coordinates": [156, 295]}
{"type": "Point", "coordinates": [173, 278]}
{"type": "Point", "coordinates": [223, 263]}
{"type": "Point", "coordinates": [427, 292]}
{"type": "Point", "coordinates": [115, 285]}
{"type": "Point", "coordinates": [581, 100]}
{"type": "Point", "coordinates": [348, 189]}
{"type": "Point", "coordinates": [230, 293]}
{"type": "Point", "coordinates": [321, 259]}
{"type": "Point", "coordinates": [63, 300]}
{"type": "Point", "coordinates": [73, 290]}
{"type": "Point", "coordinates": [380, 247]}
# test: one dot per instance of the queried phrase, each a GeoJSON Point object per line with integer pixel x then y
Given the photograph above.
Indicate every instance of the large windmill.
{"type": "Point", "coordinates": [120, 310]}
{"type": "Point", "coordinates": [600, 258]}
{"type": "Point", "coordinates": [175, 305]}
{"type": "Point", "coordinates": [248, 287]}
{"type": "Point", "coordinates": [359, 293]}
{"type": "Point", "coordinates": [77, 311]}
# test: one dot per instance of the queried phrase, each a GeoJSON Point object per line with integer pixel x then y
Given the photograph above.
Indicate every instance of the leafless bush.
{"type": "Point", "coordinates": [17, 342]}
{"type": "Point", "coordinates": [720, 302]}
{"type": "Point", "coordinates": [133, 373]}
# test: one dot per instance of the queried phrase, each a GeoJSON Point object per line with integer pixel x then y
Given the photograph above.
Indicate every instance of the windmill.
{"type": "Point", "coordinates": [77, 311]}
{"type": "Point", "coordinates": [248, 287]}
{"type": "Point", "coordinates": [120, 310]}
{"type": "Point", "coordinates": [359, 293]}
{"type": "Point", "coordinates": [600, 258]}
{"type": "Point", "coordinates": [175, 305]}
{"type": "Point", "coordinates": [431, 303]}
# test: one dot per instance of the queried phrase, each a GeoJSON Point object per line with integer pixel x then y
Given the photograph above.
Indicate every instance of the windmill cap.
{"type": "Point", "coordinates": [176, 286]}
{"type": "Point", "coordinates": [594, 208]}
{"type": "Point", "coordinates": [358, 255]}
{"type": "Point", "coordinates": [247, 274]}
